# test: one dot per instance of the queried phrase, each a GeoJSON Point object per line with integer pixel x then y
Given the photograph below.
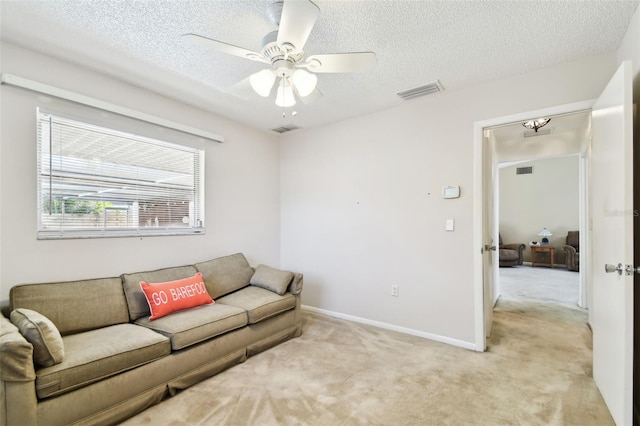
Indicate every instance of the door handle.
{"type": "Point", "coordinates": [487, 247]}
{"type": "Point", "coordinates": [630, 270]}
{"type": "Point", "coordinates": [613, 268]}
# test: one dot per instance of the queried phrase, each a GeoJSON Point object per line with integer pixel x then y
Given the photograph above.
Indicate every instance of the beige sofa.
{"type": "Point", "coordinates": [116, 361]}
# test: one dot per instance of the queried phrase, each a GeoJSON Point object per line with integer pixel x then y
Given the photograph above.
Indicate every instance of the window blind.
{"type": "Point", "coordinates": [95, 181]}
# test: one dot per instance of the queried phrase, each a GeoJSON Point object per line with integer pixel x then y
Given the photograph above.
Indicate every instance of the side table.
{"type": "Point", "coordinates": [542, 249]}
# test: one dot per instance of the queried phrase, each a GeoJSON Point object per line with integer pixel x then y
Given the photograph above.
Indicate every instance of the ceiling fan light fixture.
{"type": "Point", "coordinates": [304, 82]}
{"type": "Point", "coordinates": [283, 49]}
{"type": "Point", "coordinates": [262, 82]}
{"type": "Point", "coordinates": [285, 97]}
{"type": "Point", "coordinates": [536, 124]}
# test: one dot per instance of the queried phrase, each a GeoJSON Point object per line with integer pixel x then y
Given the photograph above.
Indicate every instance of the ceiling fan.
{"type": "Point", "coordinates": [283, 50]}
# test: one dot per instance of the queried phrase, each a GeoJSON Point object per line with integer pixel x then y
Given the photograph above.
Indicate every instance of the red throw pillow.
{"type": "Point", "coordinates": [165, 298]}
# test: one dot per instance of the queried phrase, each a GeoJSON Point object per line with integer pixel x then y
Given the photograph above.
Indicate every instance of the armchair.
{"type": "Point", "coordinates": [572, 250]}
{"type": "Point", "coordinates": [510, 254]}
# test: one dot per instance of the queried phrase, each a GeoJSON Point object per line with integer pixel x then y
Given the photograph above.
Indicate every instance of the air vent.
{"type": "Point", "coordinates": [426, 89]}
{"type": "Point", "coordinates": [524, 170]}
{"type": "Point", "coordinates": [531, 133]}
{"type": "Point", "coordinates": [285, 129]}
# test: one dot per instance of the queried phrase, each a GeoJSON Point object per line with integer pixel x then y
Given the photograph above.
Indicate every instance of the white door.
{"type": "Point", "coordinates": [612, 214]}
{"type": "Point", "coordinates": [490, 233]}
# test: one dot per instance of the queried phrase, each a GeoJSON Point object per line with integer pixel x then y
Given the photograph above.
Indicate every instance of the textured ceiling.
{"type": "Point", "coordinates": [460, 43]}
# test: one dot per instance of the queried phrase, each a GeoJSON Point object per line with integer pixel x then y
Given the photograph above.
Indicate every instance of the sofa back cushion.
{"type": "Point", "coordinates": [226, 274]}
{"type": "Point", "coordinates": [136, 300]}
{"type": "Point", "coordinates": [74, 306]}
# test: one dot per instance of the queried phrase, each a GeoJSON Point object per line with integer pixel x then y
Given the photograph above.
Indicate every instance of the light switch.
{"type": "Point", "coordinates": [449, 225]}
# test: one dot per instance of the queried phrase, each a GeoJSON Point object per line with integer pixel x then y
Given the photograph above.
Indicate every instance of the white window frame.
{"type": "Point", "coordinates": [130, 189]}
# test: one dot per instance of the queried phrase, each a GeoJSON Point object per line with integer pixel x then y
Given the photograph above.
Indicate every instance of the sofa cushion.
{"type": "Point", "coordinates": [271, 279]}
{"type": "Point", "coordinates": [259, 303]}
{"type": "Point", "coordinates": [75, 306]}
{"type": "Point", "coordinates": [225, 274]}
{"type": "Point", "coordinates": [137, 303]}
{"type": "Point", "coordinates": [172, 296]}
{"type": "Point", "coordinates": [195, 325]}
{"type": "Point", "coordinates": [48, 348]}
{"type": "Point", "coordinates": [97, 354]}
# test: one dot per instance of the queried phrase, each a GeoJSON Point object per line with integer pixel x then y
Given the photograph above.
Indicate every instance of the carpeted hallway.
{"type": "Point", "coordinates": [536, 371]}
{"type": "Point", "coordinates": [557, 285]}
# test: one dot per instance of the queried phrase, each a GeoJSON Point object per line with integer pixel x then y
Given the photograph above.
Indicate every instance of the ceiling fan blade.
{"type": "Point", "coordinates": [225, 47]}
{"type": "Point", "coordinates": [242, 90]}
{"type": "Point", "coordinates": [311, 97]}
{"type": "Point", "coordinates": [341, 62]}
{"type": "Point", "coordinates": [297, 21]}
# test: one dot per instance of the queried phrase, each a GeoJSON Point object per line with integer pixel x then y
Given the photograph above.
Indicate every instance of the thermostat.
{"type": "Point", "coordinates": [451, 192]}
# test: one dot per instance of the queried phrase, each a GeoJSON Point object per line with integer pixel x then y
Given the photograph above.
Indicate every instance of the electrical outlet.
{"type": "Point", "coordinates": [395, 291]}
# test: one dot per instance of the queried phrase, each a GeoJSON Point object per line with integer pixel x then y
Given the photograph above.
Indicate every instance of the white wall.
{"type": "Point", "coordinates": [547, 198]}
{"type": "Point", "coordinates": [361, 204]}
{"type": "Point", "coordinates": [242, 186]}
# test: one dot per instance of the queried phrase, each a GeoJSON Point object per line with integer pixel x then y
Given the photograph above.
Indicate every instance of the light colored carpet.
{"type": "Point", "coordinates": [557, 285]}
{"type": "Point", "coordinates": [537, 371]}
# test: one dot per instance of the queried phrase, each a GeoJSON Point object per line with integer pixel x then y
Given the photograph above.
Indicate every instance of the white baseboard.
{"type": "Point", "coordinates": [386, 326]}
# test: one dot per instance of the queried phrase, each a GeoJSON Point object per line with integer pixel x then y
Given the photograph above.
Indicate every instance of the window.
{"type": "Point", "coordinates": [98, 182]}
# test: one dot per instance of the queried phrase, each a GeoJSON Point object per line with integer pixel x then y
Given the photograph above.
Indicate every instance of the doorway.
{"type": "Point", "coordinates": [541, 196]}
{"type": "Point", "coordinates": [485, 176]}
{"type": "Point", "coordinates": [541, 189]}
{"type": "Point", "coordinates": [611, 225]}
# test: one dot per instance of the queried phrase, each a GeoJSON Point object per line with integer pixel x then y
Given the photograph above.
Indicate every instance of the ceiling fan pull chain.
{"type": "Point", "coordinates": [282, 86]}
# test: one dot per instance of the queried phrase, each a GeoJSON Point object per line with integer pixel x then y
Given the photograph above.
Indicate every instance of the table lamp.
{"type": "Point", "coordinates": [545, 234]}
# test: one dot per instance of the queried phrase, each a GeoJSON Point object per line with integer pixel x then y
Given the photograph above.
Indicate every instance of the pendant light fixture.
{"type": "Point", "coordinates": [536, 124]}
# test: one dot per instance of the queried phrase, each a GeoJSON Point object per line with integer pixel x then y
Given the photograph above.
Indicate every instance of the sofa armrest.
{"type": "Point", "coordinates": [296, 284]}
{"type": "Point", "coordinates": [571, 258]}
{"type": "Point", "coordinates": [18, 402]}
{"type": "Point", "coordinates": [519, 247]}
{"type": "Point", "coordinates": [16, 354]}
